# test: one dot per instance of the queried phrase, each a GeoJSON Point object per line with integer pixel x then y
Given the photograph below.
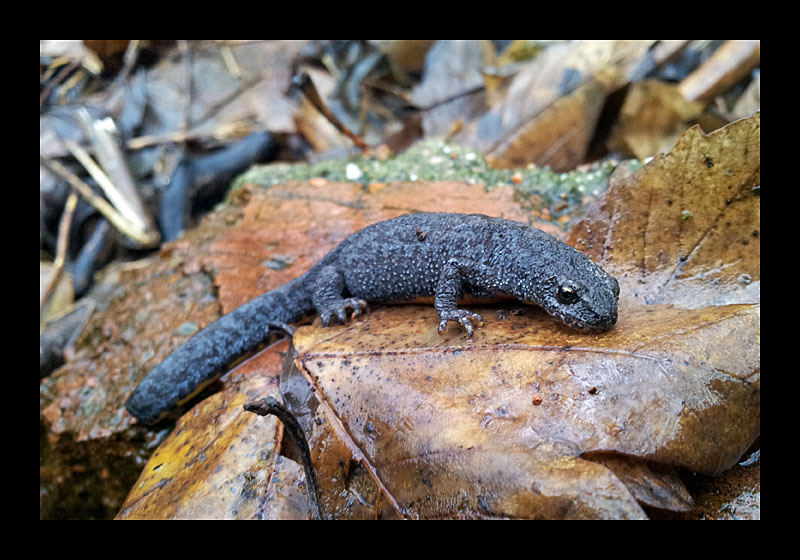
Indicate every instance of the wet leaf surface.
{"type": "Point", "coordinates": [219, 462]}
{"type": "Point", "coordinates": [461, 414]}
{"type": "Point", "coordinates": [685, 229]}
{"type": "Point", "coordinates": [161, 302]}
{"type": "Point", "coordinates": [683, 236]}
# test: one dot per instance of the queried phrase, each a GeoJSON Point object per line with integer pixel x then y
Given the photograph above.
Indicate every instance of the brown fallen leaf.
{"type": "Point", "coordinates": [652, 118]}
{"type": "Point", "coordinates": [686, 228]}
{"type": "Point", "coordinates": [219, 463]}
{"type": "Point", "coordinates": [226, 261]}
{"type": "Point", "coordinates": [652, 484]}
{"type": "Point", "coordinates": [447, 427]}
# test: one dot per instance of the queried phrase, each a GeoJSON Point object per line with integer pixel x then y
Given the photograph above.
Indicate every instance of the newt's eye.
{"type": "Point", "coordinates": [566, 294]}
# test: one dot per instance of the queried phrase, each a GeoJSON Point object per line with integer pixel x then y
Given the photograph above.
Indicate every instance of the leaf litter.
{"type": "Point", "coordinates": [700, 266]}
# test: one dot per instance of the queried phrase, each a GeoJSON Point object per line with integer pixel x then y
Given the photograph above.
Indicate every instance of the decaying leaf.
{"type": "Point", "coordinates": [299, 223]}
{"type": "Point", "coordinates": [219, 462]}
{"type": "Point", "coordinates": [448, 427]}
{"type": "Point", "coordinates": [652, 118]}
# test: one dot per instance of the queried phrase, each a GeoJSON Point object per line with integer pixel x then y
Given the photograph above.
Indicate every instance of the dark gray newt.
{"type": "Point", "coordinates": [437, 255]}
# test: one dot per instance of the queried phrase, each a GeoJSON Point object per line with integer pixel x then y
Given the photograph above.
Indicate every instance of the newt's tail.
{"type": "Point", "coordinates": [211, 352]}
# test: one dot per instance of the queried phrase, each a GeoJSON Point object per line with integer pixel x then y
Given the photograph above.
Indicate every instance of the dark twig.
{"type": "Point", "coordinates": [129, 60]}
{"type": "Point", "coordinates": [306, 86]}
{"type": "Point", "coordinates": [60, 76]}
{"type": "Point", "coordinates": [270, 405]}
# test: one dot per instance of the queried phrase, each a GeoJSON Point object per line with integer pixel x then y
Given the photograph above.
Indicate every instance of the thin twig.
{"type": "Point", "coordinates": [61, 249]}
{"type": "Point", "coordinates": [233, 129]}
{"type": "Point", "coordinates": [142, 238]}
{"type": "Point", "coordinates": [56, 80]}
{"type": "Point", "coordinates": [187, 93]}
{"type": "Point", "coordinates": [230, 61]}
{"type": "Point", "coordinates": [110, 190]}
{"type": "Point", "coordinates": [176, 137]}
{"type": "Point", "coordinates": [270, 405]}
{"type": "Point", "coordinates": [129, 60]}
{"type": "Point", "coordinates": [120, 186]}
{"type": "Point", "coordinates": [304, 83]}
{"type": "Point", "coordinates": [213, 110]}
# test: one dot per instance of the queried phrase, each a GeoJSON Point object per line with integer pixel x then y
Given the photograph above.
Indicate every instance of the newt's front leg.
{"type": "Point", "coordinates": [451, 285]}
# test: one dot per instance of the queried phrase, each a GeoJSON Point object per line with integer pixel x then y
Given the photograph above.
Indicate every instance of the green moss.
{"type": "Point", "coordinates": [436, 160]}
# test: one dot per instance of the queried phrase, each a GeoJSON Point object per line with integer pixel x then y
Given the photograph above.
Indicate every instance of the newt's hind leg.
{"type": "Point", "coordinates": [328, 300]}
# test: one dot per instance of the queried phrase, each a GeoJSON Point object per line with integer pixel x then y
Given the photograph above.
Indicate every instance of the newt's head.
{"type": "Point", "coordinates": [586, 306]}
{"type": "Point", "coordinates": [576, 291]}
